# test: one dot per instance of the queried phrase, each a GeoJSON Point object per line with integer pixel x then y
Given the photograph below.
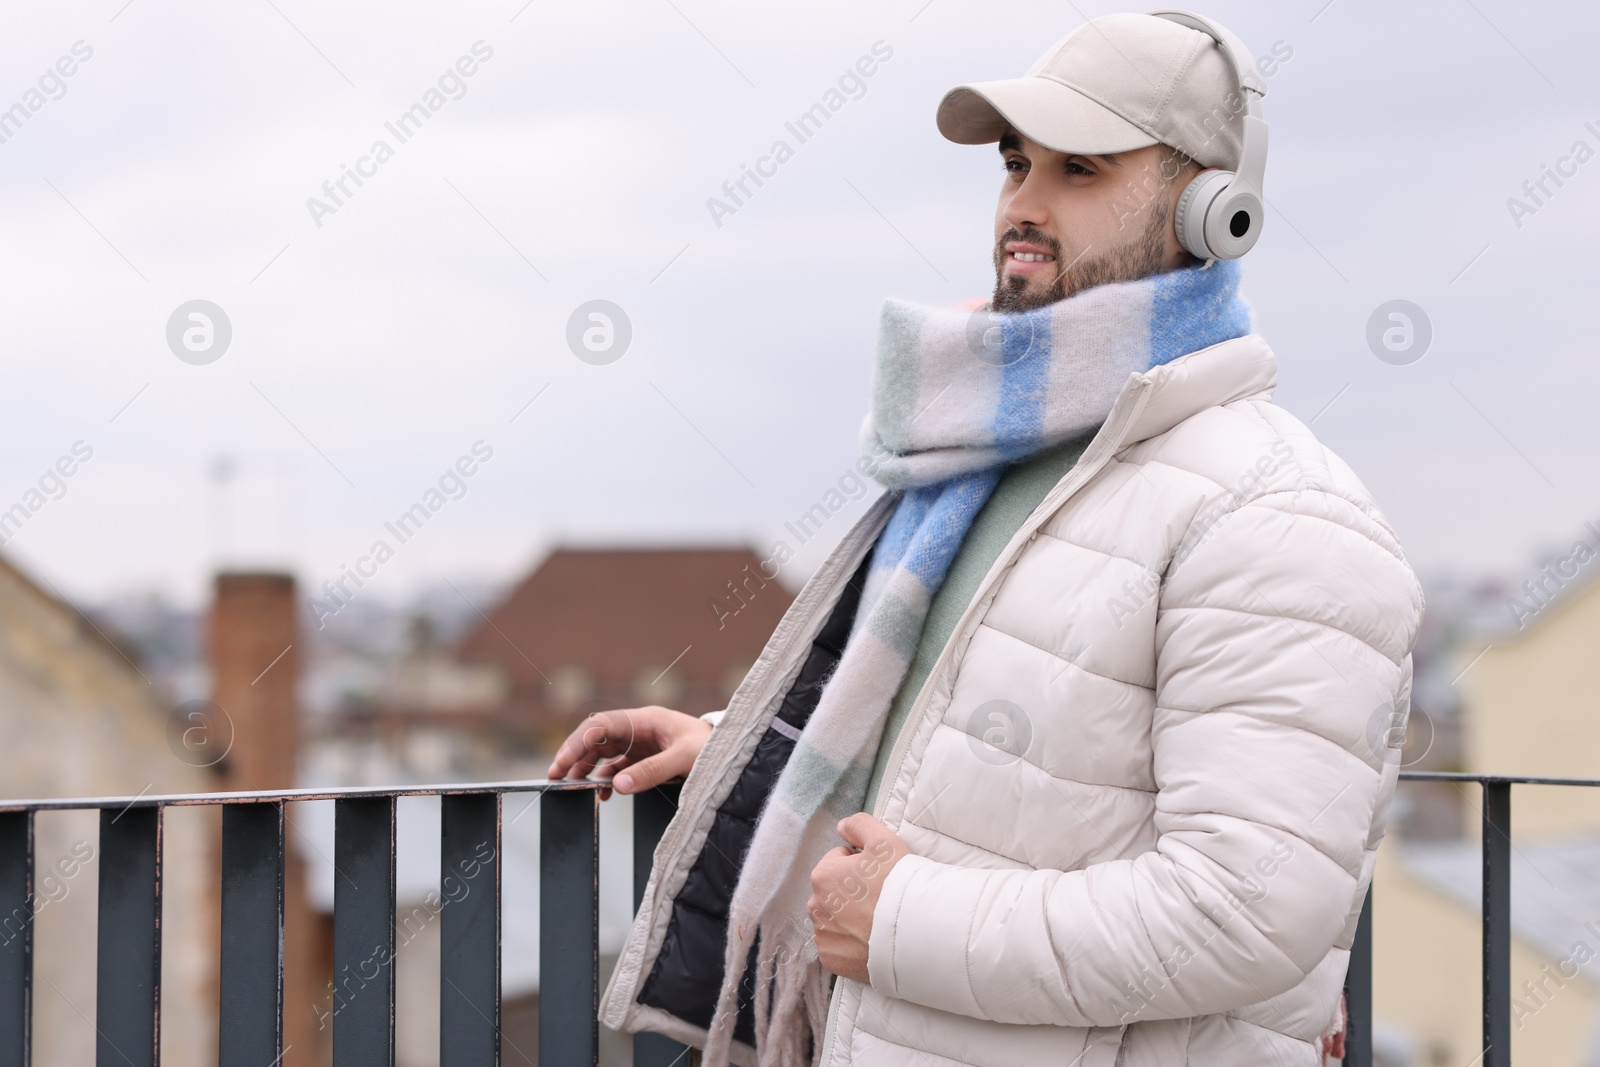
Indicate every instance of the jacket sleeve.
{"type": "Point", "coordinates": [1283, 637]}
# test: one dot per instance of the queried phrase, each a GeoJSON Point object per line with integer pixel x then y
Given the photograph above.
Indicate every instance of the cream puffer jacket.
{"type": "Point", "coordinates": [1145, 780]}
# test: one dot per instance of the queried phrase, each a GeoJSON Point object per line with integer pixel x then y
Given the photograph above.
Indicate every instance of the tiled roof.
{"type": "Point", "coordinates": [591, 626]}
{"type": "Point", "coordinates": [1555, 889]}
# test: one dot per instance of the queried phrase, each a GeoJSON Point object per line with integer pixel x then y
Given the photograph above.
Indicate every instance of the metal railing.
{"type": "Point", "coordinates": [1496, 925]}
{"type": "Point", "coordinates": [250, 1034]}
{"type": "Point", "coordinates": [251, 972]}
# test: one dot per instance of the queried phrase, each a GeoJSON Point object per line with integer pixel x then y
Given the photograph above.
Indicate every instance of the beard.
{"type": "Point", "coordinates": [1138, 258]}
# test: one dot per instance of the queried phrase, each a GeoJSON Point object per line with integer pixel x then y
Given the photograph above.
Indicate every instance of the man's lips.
{"type": "Point", "coordinates": [1025, 258]}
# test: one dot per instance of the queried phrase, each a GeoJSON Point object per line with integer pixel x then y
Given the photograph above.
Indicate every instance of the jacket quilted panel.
{"type": "Point", "coordinates": [1161, 860]}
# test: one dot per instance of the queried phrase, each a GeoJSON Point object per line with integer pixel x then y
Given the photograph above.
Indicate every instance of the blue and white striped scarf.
{"type": "Point", "coordinates": [956, 397]}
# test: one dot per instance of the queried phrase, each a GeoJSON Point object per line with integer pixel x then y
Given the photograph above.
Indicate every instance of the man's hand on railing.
{"type": "Point", "coordinates": [638, 747]}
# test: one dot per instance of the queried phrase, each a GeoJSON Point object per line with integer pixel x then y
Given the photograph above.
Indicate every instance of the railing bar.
{"type": "Point", "coordinates": [1513, 779]}
{"type": "Point", "coordinates": [1358, 992]}
{"type": "Point", "coordinates": [469, 934]}
{"type": "Point", "coordinates": [653, 809]}
{"type": "Point", "coordinates": [363, 931]}
{"type": "Point", "coordinates": [533, 785]}
{"type": "Point", "coordinates": [250, 1003]}
{"type": "Point", "coordinates": [169, 800]}
{"type": "Point", "coordinates": [128, 960]}
{"type": "Point", "coordinates": [1497, 924]}
{"type": "Point", "coordinates": [569, 928]}
{"type": "Point", "coordinates": [16, 933]}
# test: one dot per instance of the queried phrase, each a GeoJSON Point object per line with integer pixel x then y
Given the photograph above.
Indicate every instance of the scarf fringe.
{"type": "Point", "coordinates": [782, 1040]}
{"type": "Point", "coordinates": [792, 991]}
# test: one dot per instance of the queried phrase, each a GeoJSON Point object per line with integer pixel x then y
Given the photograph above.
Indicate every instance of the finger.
{"type": "Point", "coordinates": [648, 773]}
{"type": "Point", "coordinates": [861, 829]}
{"type": "Point", "coordinates": [583, 766]}
{"type": "Point", "coordinates": [562, 760]}
{"type": "Point", "coordinates": [622, 731]}
{"type": "Point", "coordinates": [608, 766]}
{"type": "Point", "coordinates": [571, 750]}
{"type": "Point", "coordinates": [830, 859]}
{"type": "Point", "coordinates": [597, 736]}
{"type": "Point", "coordinates": [829, 867]}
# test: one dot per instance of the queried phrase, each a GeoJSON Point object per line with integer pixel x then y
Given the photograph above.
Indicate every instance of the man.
{"type": "Point", "coordinates": [1097, 696]}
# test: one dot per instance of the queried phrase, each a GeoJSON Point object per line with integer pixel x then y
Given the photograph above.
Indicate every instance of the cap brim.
{"type": "Point", "coordinates": [1056, 116]}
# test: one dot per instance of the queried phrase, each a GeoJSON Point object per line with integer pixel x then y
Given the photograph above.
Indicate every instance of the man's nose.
{"type": "Point", "coordinates": [1027, 207]}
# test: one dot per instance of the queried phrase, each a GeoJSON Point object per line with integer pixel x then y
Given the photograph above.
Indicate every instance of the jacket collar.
{"type": "Point", "coordinates": [1208, 377]}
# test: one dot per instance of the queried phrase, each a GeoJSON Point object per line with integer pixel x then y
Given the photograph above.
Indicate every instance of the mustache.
{"type": "Point", "coordinates": [1031, 235]}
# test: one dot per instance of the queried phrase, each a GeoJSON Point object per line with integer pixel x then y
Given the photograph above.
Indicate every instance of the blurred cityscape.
{"type": "Point", "coordinates": [263, 688]}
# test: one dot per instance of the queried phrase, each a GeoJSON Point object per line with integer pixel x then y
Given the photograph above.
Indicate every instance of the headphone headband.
{"type": "Point", "coordinates": [1230, 44]}
{"type": "Point", "coordinates": [1220, 213]}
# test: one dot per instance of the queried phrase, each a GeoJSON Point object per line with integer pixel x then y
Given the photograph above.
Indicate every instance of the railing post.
{"type": "Point", "coordinates": [569, 927]}
{"type": "Point", "coordinates": [1358, 991]}
{"type": "Point", "coordinates": [1496, 923]}
{"type": "Point", "coordinates": [652, 811]}
{"type": "Point", "coordinates": [250, 1005]}
{"type": "Point", "coordinates": [363, 932]}
{"type": "Point", "coordinates": [469, 933]}
{"type": "Point", "coordinates": [16, 938]}
{"type": "Point", "coordinates": [128, 955]}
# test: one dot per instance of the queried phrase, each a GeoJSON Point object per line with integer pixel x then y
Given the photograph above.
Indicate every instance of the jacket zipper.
{"type": "Point", "coordinates": [1103, 447]}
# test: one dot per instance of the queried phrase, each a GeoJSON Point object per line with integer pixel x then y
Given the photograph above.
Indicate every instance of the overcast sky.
{"type": "Point", "coordinates": [377, 338]}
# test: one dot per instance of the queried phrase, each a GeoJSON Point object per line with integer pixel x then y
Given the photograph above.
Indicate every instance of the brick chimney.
{"type": "Point", "coordinates": [255, 675]}
{"type": "Point", "coordinates": [255, 672]}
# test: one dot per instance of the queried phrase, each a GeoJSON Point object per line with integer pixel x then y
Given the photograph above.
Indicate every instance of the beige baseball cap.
{"type": "Point", "coordinates": [1116, 83]}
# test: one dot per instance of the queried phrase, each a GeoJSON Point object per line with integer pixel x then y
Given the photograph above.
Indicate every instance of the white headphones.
{"type": "Point", "coordinates": [1221, 212]}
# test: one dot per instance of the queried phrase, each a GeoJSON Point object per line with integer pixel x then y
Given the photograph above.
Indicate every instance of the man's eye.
{"type": "Point", "coordinates": [1078, 169]}
{"type": "Point", "coordinates": [1015, 165]}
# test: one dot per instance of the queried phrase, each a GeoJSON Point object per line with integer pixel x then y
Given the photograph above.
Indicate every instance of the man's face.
{"type": "Point", "coordinates": [1069, 222]}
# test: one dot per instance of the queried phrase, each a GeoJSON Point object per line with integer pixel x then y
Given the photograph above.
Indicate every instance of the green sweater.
{"type": "Point", "coordinates": [1020, 489]}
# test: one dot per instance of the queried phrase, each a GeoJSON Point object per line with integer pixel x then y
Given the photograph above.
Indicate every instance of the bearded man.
{"type": "Point", "coordinates": [1074, 749]}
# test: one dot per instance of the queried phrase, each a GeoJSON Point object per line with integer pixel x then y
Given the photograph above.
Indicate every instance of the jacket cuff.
{"type": "Point", "coordinates": [886, 921]}
{"type": "Point", "coordinates": [714, 717]}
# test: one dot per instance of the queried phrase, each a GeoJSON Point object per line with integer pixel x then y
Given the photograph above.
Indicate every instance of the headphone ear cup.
{"type": "Point", "coordinates": [1233, 222]}
{"type": "Point", "coordinates": [1194, 206]}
